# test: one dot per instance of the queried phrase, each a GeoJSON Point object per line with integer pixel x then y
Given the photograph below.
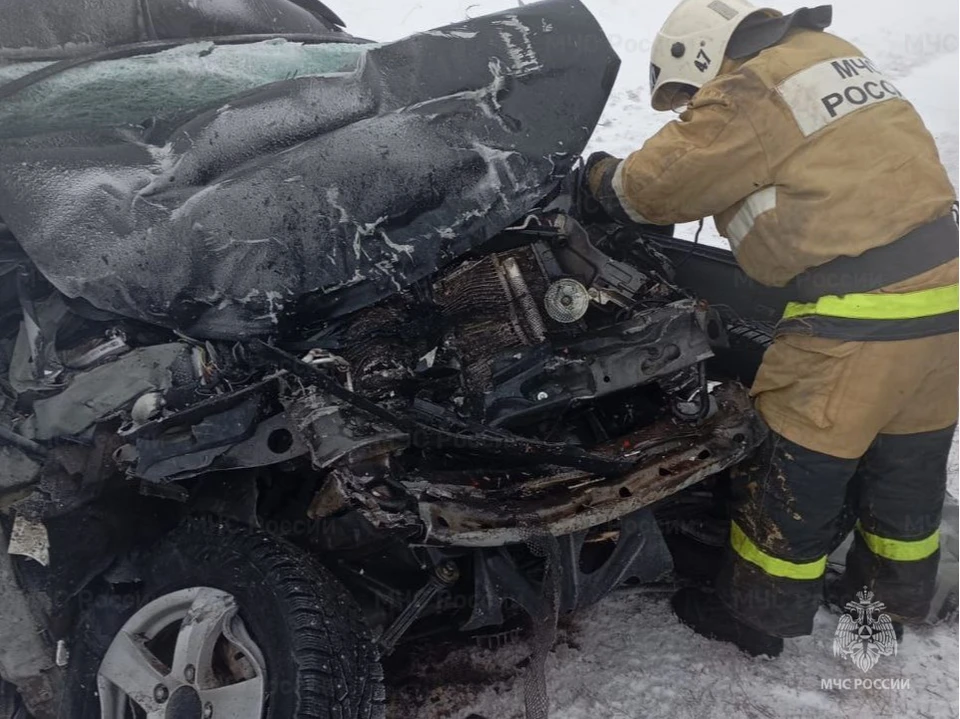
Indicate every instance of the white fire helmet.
{"type": "Point", "coordinates": [690, 46]}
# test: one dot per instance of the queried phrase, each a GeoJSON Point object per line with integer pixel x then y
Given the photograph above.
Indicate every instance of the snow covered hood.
{"type": "Point", "coordinates": [228, 210]}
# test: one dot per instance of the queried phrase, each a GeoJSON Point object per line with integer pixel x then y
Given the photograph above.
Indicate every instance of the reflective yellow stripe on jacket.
{"type": "Point", "coordinates": [744, 546]}
{"type": "Point", "coordinates": [867, 306]}
{"type": "Point", "coordinates": [900, 550]}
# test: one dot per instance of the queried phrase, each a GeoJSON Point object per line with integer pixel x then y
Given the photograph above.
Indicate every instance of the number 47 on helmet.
{"type": "Point", "coordinates": [691, 45]}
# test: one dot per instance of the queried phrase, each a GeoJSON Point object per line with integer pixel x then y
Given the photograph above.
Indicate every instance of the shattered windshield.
{"type": "Point", "coordinates": [162, 86]}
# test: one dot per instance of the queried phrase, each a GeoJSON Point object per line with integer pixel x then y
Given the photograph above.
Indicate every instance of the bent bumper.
{"type": "Point", "coordinates": [670, 456]}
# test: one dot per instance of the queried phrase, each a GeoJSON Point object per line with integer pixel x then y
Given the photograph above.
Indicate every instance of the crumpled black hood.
{"type": "Point", "coordinates": [320, 194]}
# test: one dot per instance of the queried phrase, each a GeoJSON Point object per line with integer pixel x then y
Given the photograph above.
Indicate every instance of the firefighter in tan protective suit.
{"type": "Point", "coordinates": [824, 180]}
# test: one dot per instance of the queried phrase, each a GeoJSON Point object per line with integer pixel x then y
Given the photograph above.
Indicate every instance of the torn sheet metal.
{"type": "Point", "coordinates": [103, 390]}
{"type": "Point", "coordinates": [314, 196]}
{"type": "Point", "coordinates": [29, 538]}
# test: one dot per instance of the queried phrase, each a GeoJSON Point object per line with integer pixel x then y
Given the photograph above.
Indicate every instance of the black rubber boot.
{"type": "Point", "coordinates": [705, 614]}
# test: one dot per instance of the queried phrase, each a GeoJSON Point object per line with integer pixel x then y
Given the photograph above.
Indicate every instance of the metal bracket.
{"type": "Point", "coordinates": [444, 576]}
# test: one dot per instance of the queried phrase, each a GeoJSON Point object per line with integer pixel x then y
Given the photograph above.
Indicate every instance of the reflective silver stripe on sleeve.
{"type": "Point", "coordinates": [755, 205]}
{"type": "Point", "coordinates": [622, 197]}
{"type": "Point", "coordinates": [830, 90]}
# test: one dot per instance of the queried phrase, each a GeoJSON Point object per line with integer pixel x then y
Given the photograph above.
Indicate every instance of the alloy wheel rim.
{"type": "Point", "coordinates": [185, 655]}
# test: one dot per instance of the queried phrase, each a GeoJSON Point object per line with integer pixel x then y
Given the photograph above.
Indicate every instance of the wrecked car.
{"type": "Point", "coordinates": [309, 347]}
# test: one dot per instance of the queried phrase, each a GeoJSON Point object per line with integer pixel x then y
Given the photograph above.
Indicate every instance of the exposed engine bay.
{"type": "Point", "coordinates": [534, 384]}
{"type": "Point", "coordinates": [539, 327]}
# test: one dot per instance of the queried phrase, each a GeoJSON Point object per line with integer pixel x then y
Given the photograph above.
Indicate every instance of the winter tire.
{"type": "Point", "coordinates": [227, 623]}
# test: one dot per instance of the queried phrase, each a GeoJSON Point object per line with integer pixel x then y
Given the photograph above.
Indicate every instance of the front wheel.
{"type": "Point", "coordinates": [228, 623]}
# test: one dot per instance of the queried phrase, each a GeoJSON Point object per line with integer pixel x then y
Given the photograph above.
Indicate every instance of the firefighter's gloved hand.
{"type": "Point", "coordinates": [596, 174]}
{"type": "Point", "coordinates": [598, 164]}
{"type": "Point", "coordinates": [599, 200]}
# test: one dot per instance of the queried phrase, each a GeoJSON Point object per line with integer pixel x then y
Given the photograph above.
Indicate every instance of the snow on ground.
{"type": "Point", "coordinates": [627, 657]}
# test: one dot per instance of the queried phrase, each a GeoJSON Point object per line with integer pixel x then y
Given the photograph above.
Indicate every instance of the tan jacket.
{"type": "Point", "coordinates": [803, 153]}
